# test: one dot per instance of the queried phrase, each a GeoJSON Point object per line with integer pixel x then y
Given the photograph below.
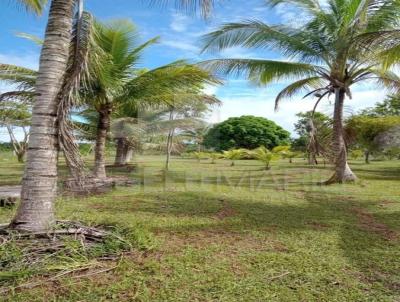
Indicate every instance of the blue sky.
{"type": "Point", "coordinates": [180, 39]}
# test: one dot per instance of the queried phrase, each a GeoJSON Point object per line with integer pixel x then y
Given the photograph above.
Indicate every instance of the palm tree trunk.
{"type": "Point", "coordinates": [123, 153]}
{"type": "Point", "coordinates": [101, 139]}
{"type": "Point", "coordinates": [120, 154]}
{"type": "Point", "coordinates": [169, 140]}
{"type": "Point", "coordinates": [366, 156]}
{"type": "Point", "coordinates": [39, 184]}
{"type": "Point", "coordinates": [343, 172]}
{"type": "Point", "coordinates": [128, 155]}
{"type": "Point", "coordinates": [19, 147]}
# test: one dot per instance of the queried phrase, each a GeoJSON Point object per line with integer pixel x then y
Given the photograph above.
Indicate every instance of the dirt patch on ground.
{"type": "Point", "coordinates": [367, 222]}
{"type": "Point", "coordinates": [226, 211]}
{"type": "Point", "coordinates": [227, 241]}
{"type": "Point", "coordinates": [385, 203]}
{"type": "Point", "coordinates": [318, 225]}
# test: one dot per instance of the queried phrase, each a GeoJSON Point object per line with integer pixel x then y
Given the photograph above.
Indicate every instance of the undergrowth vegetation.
{"type": "Point", "coordinates": [212, 232]}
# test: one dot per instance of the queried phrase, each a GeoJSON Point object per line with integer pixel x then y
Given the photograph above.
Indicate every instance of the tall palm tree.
{"type": "Point", "coordinates": [325, 55]}
{"type": "Point", "coordinates": [39, 185]}
{"type": "Point", "coordinates": [121, 83]}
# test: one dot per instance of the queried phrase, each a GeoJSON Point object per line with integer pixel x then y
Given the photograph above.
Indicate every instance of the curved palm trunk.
{"type": "Point", "coordinates": [100, 148]}
{"type": "Point", "coordinates": [343, 172]}
{"type": "Point", "coordinates": [39, 184]}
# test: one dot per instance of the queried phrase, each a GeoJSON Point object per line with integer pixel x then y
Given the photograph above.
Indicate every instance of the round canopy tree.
{"type": "Point", "coordinates": [248, 132]}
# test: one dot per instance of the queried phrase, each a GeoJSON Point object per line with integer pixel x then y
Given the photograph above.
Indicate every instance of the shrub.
{"type": "Point", "coordinates": [393, 152]}
{"type": "Point", "coordinates": [356, 154]}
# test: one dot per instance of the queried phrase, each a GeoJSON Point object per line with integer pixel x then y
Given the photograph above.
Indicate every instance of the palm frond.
{"type": "Point", "coordinates": [256, 34]}
{"type": "Point", "coordinates": [189, 6]}
{"type": "Point", "coordinates": [261, 71]}
{"type": "Point", "coordinates": [299, 86]}
{"type": "Point", "coordinates": [35, 39]}
{"type": "Point", "coordinates": [35, 6]}
{"type": "Point", "coordinates": [308, 5]}
{"type": "Point", "coordinates": [17, 96]}
{"type": "Point", "coordinates": [23, 78]}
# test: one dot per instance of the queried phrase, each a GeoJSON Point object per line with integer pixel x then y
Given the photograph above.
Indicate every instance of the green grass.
{"type": "Point", "coordinates": [205, 232]}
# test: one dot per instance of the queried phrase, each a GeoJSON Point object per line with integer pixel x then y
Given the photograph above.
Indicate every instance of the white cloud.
{"type": "Point", "coordinates": [261, 103]}
{"type": "Point", "coordinates": [290, 16]}
{"type": "Point", "coordinates": [210, 89]}
{"type": "Point", "coordinates": [181, 45]}
{"type": "Point", "coordinates": [180, 22]}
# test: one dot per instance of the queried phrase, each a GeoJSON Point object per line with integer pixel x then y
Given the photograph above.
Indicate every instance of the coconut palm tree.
{"type": "Point", "coordinates": [196, 135]}
{"type": "Point", "coordinates": [325, 55]}
{"type": "Point", "coordinates": [39, 185]}
{"type": "Point", "coordinates": [16, 115]}
{"type": "Point", "coordinates": [234, 154]}
{"type": "Point", "coordinates": [120, 82]}
{"type": "Point", "coordinates": [263, 155]}
{"type": "Point", "coordinates": [187, 110]}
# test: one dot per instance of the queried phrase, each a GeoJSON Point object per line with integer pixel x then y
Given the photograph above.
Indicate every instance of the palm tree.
{"type": "Point", "coordinates": [234, 154]}
{"type": "Point", "coordinates": [196, 135]}
{"type": "Point", "coordinates": [325, 56]}
{"type": "Point", "coordinates": [39, 185]}
{"type": "Point", "coordinates": [263, 155]}
{"type": "Point", "coordinates": [121, 83]}
{"type": "Point", "coordinates": [16, 115]}
{"type": "Point", "coordinates": [118, 53]}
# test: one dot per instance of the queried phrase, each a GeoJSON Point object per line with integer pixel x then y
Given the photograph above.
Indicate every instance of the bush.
{"type": "Point", "coordinates": [248, 132]}
{"type": "Point", "coordinates": [356, 154]}
{"type": "Point", "coordinates": [392, 153]}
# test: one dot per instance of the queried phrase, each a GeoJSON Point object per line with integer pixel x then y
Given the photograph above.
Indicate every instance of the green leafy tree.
{"type": "Point", "coordinates": [246, 132]}
{"type": "Point", "coordinates": [390, 106]}
{"type": "Point", "coordinates": [326, 55]}
{"type": "Point", "coordinates": [393, 152]}
{"type": "Point", "coordinates": [356, 154]}
{"type": "Point", "coordinates": [362, 131]}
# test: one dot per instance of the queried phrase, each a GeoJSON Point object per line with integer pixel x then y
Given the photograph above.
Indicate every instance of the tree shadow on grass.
{"type": "Point", "coordinates": [387, 173]}
{"type": "Point", "coordinates": [371, 245]}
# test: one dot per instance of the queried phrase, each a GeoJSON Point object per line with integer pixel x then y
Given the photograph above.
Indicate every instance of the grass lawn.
{"type": "Point", "coordinates": [205, 232]}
